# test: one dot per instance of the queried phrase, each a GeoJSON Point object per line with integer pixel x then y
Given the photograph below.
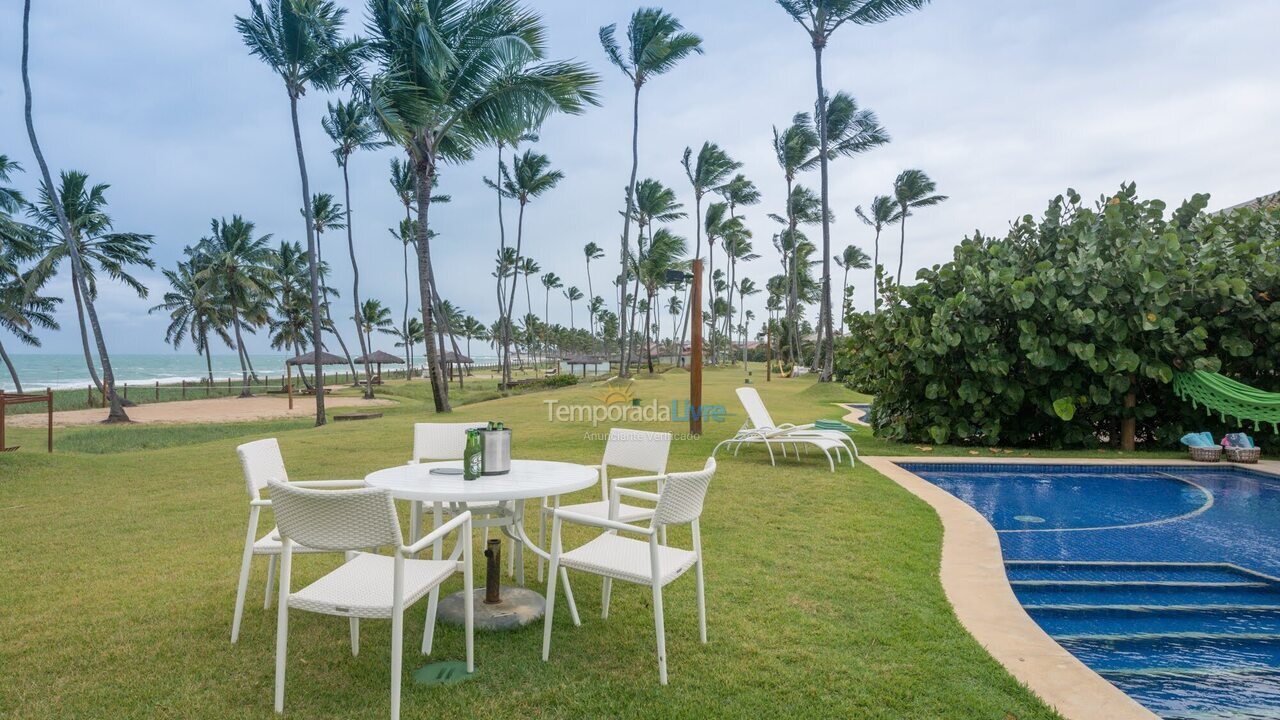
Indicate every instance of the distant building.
{"type": "Point", "coordinates": [1259, 203]}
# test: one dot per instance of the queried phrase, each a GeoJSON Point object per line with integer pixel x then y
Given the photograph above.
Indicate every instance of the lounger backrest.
{"type": "Point", "coordinates": [756, 411]}
{"type": "Point", "coordinates": [262, 463]}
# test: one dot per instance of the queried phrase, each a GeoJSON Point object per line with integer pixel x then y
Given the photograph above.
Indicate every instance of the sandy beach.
{"type": "Point", "coordinates": [259, 407]}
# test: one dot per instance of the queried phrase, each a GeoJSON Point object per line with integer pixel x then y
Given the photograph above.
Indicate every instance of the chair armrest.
{"type": "Point", "coordinates": [640, 494]}
{"type": "Point", "coordinates": [260, 502]}
{"type": "Point", "coordinates": [328, 484]}
{"type": "Point", "coordinates": [431, 537]}
{"type": "Point", "coordinates": [580, 519]}
{"type": "Point", "coordinates": [636, 480]}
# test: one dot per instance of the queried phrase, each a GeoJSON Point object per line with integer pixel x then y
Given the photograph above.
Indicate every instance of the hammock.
{"type": "Point", "coordinates": [1221, 394]}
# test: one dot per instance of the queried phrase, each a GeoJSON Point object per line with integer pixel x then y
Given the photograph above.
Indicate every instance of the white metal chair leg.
{"type": "Point", "coordinates": [661, 633]}
{"type": "Point", "coordinates": [769, 446]}
{"type": "Point", "coordinates": [245, 561]}
{"type": "Point", "coordinates": [568, 598]}
{"type": "Point", "coordinates": [542, 537]}
{"type": "Point", "coordinates": [282, 629]}
{"type": "Point", "coordinates": [415, 521]}
{"type": "Point", "coordinates": [606, 593]}
{"type": "Point", "coordinates": [271, 578]}
{"type": "Point", "coordinates": [429, 632]}
{"type": "Point", "coordinates": [468, 613]}
{"type": "Point", "coordinates": [551, 605]}
{"type": "Point", "coordinates": [397, 652]}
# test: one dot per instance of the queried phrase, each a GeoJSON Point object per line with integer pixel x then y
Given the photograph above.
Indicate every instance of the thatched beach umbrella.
{"type": "Point", "coordinates": [378, 357]}
{"type": "Point", "coordinates": [326, 358]}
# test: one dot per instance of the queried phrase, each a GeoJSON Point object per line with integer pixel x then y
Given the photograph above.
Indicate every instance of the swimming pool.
{"type": "Point", "coordinates": [1163, 579]}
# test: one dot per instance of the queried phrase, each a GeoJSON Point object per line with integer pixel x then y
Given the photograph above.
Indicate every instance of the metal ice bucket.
{"type": "Point", "coordinates": [496, 452]}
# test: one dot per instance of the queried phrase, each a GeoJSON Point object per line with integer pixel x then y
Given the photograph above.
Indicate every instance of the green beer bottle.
{"type": "Point", "coordinates": [473, 456]}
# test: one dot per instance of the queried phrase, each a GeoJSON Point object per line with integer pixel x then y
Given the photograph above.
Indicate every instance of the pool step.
{"type": "Point", "coordinates": [1210, 652]}
{"type": "Point", "coordinates": [1206, 694]}
{"type": "Point", "coordinates": [1019, 570]}
{"type": "Point", "coordinates": [1161, 593]}
{"type": "Point", "coordinates": [1075, 619]}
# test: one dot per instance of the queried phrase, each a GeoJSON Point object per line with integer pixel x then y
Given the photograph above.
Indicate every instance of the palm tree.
{"type": "Point", "coordinates": [350, 127]}
{"type": "Point", "coordinates": [665, 251]}
{"type": "Point", "coordinates": [326, 214]}
{"type": "Point", "coordinates": [655, 45]}
{"type": "Point", "coordinates": [794, 148]}
{"type": "Point", "coordinates": [737, 192]}
{"type": "Point", "coordinates": [374, 316]}
{"type": "Point", "coordinates": [192, 313]}
{"type": "Point", "coordinates": [593, 252]}
{"type": "Point", "coordinates": [454, 75]}
{"type": "Point", "coordinates": [573, 295]}
{"type": "Point", "coordinates": [717, 225]}
{"type": "Point", "coordinates": [675, 306]}
{"type": "Point", "coordinates": [17, 240]}
{"type": "Point", "coordinates": [301, 41]}
{"type": "Point", "coordinates": [746, 288]}
{"type": "Point", "coordinates": [98, 248]}
{"type": "Point", "coordinates": [530, 176]}
{"type": "Point", "coordinates": [912, 189]}
{"type": "Point", "coordinates": [853, 258]}
{"type": "Point", "coordinates": [884, 212]}
{"type": "Point", "coordinates": [708, 173]}
{"type": "Point", "coordinates": [821, 18]}
{"type": "Point", "coordinates": [237, 268]}
{"type": "Point", "coordinates": [22, 311]}
{"type": "Point", "coordinates": [473, 329]}
{"type": "Point", "coordinates": [412, 334]}
{"type": "Point", "coordinates": [653, 202]}
{"type": "Point", "coordinates": [116, 413]}
{"type": "Point", "coordinates": [550, 282]}
{"type": "Point", "coordinates": [402, 181]}
{"type": "Point", "coordinates": [290, 328]}
{"type": "Point", "coordinates": [737, 248]}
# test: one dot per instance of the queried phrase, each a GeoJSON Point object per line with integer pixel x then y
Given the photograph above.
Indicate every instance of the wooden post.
{"type": "Point", "coordinates": [288, 371]}
{"type": "Point", "coordinates": [184, 389]}
{"type": "Point", "coordinates": [126, 391]}
{"type": "Point", "coordinates": [157, 391]}
{"type": "Point", "coordinates": [695, 362]}
{"type": "Point", "coordinates": [89, 401]}
{"type": "Point", "coordinates": [48, 398]}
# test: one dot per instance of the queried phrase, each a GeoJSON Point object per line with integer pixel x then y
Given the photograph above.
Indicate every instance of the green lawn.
{"type": "Point", "coordinates": [823, 596]}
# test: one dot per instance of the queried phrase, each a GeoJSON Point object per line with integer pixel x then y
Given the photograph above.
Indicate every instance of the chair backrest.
{"type": "Point", "coordinates": [262, 463]}
{"type": "Point", "coordinates": [638, 450]}
{"type": "Point", "coordinates": [336, 519]}
{"type": "Point", "coordinates": [756, 411]}
{"type": "Point", "coordinates": [680, 501]}
{"type": "Point", "coordinates": [441, 441]}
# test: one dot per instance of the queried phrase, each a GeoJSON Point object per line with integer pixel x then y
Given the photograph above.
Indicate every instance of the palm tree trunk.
{"type": "Point", "coordinates": [13, 372]}
{"type": "Point", "coordinates": [355, 286]}
{"type": "Point", "coordinates": [511, 298]}
{"type": "Point", "coordinates": [711, 296]}
{"type": "Point", "coordinates": [208, 361]}
{"type": "Point", "coordinates": [824, 352]}
{"type": "Point", "coordinates": [117, 413]}
{"type": "Point", "coordinates": [875, 273]}
{"type": "Point", "coordinates": [902, 244]}
{"type": "Point", "coordinates": [591, 297]}
{"type": "Point", "coordinates": [439, 383]}
{"type": "Point", "coordinates": [504, 362]}
{"type": "Point", "coordinates": [84, 335]}
{"type": "Point", "coordinates": [648, 340]}
{"type": "Point", "coordinates": [844, 299]}
{"type": "Point", "coordinates": [623, 331]}
{"type": "Point", "coordinates": [243, 355]}
{"type": "Point", "coordinates": [408, 346]}
{"type": "Point", "coordinates": [313, 261]}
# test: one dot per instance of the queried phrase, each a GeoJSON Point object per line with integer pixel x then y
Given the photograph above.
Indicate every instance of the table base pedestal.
{"type": "Point", "coordinates": [519, 607]}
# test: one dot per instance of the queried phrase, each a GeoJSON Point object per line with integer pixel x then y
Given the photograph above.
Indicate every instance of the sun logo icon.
{"type": "Point", "coordinates": [617, 392]}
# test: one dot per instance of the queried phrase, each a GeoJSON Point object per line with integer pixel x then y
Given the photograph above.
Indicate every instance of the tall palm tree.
{"type": "Point", "coordinates": [97, 246]}
{"type": "Point", "coordinates": [473, 329]}
{"type": "Point", "coordinates": [301, 41]}
{"type": "Point", "coordinates": [912, 189]}
{"type": "Point", "coordinates": [520, 135]}
{"type": "Point", "coordinates": [593, 252]}
{"type": "Point", "coordinates": [453, 76]}
{"type": "Point", "coordinates": [821, 18]}
{"type": "Point", "coordinates": [853, 258]}
{"type": "Point", "coordinates": [884, 212]}
{"type": "Point", "coordinates": [717, 224]}
{"type": "Point", "coordinates": [116, 413]}
{"type": "Point", "coordinates": [290, 328]}
{"type": "Point", "coordinates": [664, 252]}
{"type": "Point", "coordinates": [737, 248]}
{"type": "Point", "coordinates": [653, 202]}
{"type": "Point", "coordinates": [17, 240]}
{"type": "Point", "coordinates": [550, 281]}
{"type": "Point", "coordinates": [573, 295]}
{"type": "Point", "coordinates": [739, 191]}
{"type": "Point", "coordinates": [22, 311]}
{"type": "Point", "coordinates": [374, 316]}
{"type": "Point", "coordinates": [350, 127]}
{"type": "Point", "coordinates": [707, 173]}
{"type": "Point", "coordinates": [328, 214]}
{"type": "Point", "coordinates": [655, 45]}
{"type": "Point", "coordinates": [411, 335]}
{"type": "Point", "coordinates": [529, 177]}
{"type": "Point", "coordinates": [237, 267]}
{"type": "Point", "coordinates": [746, 288]}
{"type": "Point", "coordinates": [402, 181]}
{"type": "Point", "coordinates": [794, 148]}
{"type": "Point", "coordinates": [192, 313]}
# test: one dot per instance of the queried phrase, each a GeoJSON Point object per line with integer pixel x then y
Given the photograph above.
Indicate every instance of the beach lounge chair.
{"type": "Point", "coordinates": [760, 429]}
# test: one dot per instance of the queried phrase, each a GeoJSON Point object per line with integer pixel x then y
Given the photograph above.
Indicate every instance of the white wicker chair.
{"type": "Point", "coordinates": [261, 462]}
{"type": "Point", "coordinates": [761, 430]}
{"type": "Point", "coordinates": [644, 562]}
{"type": "Point", "coordinates": [367, 585]}
{"type": "Point", "coordinates": [433, 442]}
{"type": "Point", "coordinates": [642, 450]}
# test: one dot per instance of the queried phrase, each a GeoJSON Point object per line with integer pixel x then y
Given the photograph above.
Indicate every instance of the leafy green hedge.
{"type": "Point", "coordinates": [1037, 337]}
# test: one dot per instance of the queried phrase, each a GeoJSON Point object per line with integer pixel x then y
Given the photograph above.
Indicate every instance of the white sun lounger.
{"type": "Point", "coordinates": [760, 429]}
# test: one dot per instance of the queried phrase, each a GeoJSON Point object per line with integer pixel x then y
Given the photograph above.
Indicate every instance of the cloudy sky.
{"type": "Point", "coordinates": [1004, 104]}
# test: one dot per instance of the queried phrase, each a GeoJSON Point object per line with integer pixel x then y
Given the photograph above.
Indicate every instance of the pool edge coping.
{"type": "Point", "coordinates": [974, 580]}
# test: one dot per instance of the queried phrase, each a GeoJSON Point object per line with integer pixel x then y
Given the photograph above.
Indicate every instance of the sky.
{"type": "Point", "coordinates": [1003, 104]}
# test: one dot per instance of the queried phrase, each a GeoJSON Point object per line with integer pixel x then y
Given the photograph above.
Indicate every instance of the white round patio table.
{"type": "Point", "coordinates": [527, 480]}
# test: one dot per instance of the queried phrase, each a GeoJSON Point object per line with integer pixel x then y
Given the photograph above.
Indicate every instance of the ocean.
{"type": "Point", "coordinates": [57, 371]}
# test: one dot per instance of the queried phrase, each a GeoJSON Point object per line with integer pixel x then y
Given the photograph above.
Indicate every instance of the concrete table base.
{"type": "Point", "coordinates": [519, 607]}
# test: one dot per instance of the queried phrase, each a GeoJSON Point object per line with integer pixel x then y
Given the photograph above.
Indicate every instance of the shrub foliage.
{"type": "Point", "coordinates": [1036, 338]}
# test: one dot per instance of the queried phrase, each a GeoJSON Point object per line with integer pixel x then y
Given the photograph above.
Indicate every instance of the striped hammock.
{"type": "Point", "coordinates": [1229, 398]}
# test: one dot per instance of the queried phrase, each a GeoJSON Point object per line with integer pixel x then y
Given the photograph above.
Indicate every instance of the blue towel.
{"type": "Point", "coordinates": [1202, 439]}
{"type": "Point", "coordinates": [1240, 440]}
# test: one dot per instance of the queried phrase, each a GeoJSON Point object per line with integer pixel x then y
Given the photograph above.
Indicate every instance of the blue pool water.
{"type": "Point", "coordinates": [1164, 580]}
